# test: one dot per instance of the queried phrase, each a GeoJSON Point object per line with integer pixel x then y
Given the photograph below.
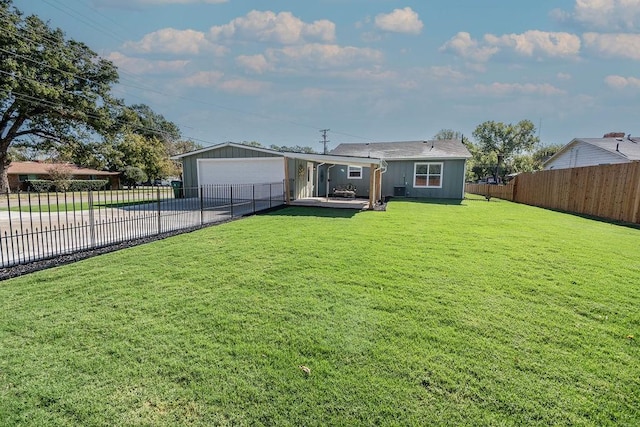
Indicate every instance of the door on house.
{"type": "Point", "coordinates": [309, 186]}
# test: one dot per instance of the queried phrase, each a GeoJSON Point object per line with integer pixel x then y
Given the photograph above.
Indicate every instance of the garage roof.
{"type": "Point", "coordinates": [320, 158]}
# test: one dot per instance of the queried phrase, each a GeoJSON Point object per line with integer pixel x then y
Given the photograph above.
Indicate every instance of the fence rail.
{"type": "Point", "coordinates": [606, 191]}
{"type": "Point", "coordinates": [37, 226]}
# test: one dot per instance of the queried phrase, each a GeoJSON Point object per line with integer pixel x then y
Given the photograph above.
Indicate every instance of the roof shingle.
{"type": "Point", "coordinates": [409, 150]}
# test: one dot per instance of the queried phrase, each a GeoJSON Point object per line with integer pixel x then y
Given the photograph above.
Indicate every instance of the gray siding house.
{"type": "Point", "coordinates": [420, 169]}
{"type": "Point", "coordinates": [595, 151]}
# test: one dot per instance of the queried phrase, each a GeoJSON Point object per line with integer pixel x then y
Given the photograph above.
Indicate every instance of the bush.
{"type": "Point", "coordinates": [87, 185]}
{"type": "Point", "coordinates": [40, 185]}
{"type": "Point", "coordinates": [45, 185]}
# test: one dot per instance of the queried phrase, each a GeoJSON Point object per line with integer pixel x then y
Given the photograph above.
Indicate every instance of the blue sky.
{"type": "Point", "coordinates": [277, 72]}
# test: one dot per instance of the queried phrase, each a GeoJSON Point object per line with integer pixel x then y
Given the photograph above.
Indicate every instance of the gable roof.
{"type": "Point", "coordinates": [625, 148]}
{"type": "Point", "coordinates": [406, 150]}
{"type": "Point", "coordinates": [41, 168]}
{"type": "Point", "coordinates": [330, 158]}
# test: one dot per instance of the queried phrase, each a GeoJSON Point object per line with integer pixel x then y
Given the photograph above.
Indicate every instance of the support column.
{"type": "Point", "coordinates": [379, 185]}
{"type": "Point", "coordinates": [287, 184]}
{"type": "Point", "coordinates": [372, 185]}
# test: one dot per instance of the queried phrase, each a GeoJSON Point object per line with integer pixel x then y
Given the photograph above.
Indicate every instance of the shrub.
{"type": "Point", "coordinates": [41, 185]}
{"type": "Point", "coordinates": [45, 185]}
{"type": "Point", "coordinates": [87, 185]}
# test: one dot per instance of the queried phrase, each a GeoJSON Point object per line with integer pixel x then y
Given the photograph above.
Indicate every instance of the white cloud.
{"type": "Point", "coordinates": [603, 14]}
{"type": "Point", "coordinates": [446, 72]}
{"type": "Point", "coordinates": [614, 45]}
{"type": "Point", "coordinates": [620, 82]}
{"type": "Point", "coordinates": [536, 42]}
{"type": "Point", "coordinates": [204, 79]}
{"type": "Point", "coordinates": [564, 76]}
{"type": "Point", "coordinates": [254, 63]}
{"type": "Point", "coordinates": [504, 89]}
{"type": "Point", "coordinates": [400, 21]}
{"type": "Point", "coordinates": [323, 55]}
{"type": "Point", "coordinates": [144, 66]}
{"type": "Point", "coordinates": [375, 74]}
{"type": "Point", "coordinates": [281, 28]}
{"type": "Point", "coordinates": [243, 87]}
{"type": "Point", "coordinates": [170, 40]}
{"type": "Point", "coordinates": [216, 80]}
{"type": "Point", "coordinates": [532, 43]}
{"type": "Point", "coordinates": [466, 47]}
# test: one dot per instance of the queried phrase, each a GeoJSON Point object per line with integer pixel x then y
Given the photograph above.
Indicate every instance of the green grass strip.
{"type": "Point", "coordinates": [480, 313]}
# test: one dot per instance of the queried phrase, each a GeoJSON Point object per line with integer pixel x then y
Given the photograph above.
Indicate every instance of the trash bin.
{"type": "Point", "coordinates": [178, 191]}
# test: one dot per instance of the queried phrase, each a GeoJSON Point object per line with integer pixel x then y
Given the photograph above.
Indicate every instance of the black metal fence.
{"type": "Point", "coordinates": [37, 226]}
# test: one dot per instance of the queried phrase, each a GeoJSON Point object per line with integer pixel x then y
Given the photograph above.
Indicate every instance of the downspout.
{"type": "Point", "coordinates": [382, 167]}
{"type": "Point", "coordinates": [328, 181]}
{"type": "Point", "coordinates": [318, 178]}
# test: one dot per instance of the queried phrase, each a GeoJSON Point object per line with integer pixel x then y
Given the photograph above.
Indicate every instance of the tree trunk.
{"type": "Point", "coordinates": [4, 179]}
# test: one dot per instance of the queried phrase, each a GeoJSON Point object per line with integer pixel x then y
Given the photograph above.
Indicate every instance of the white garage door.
{"type": "Point", "coordinates": [258, 170]}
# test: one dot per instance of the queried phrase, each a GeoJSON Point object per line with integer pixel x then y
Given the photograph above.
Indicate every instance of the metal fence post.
{"type": "Point", "coordinates": [159, 211]}
{"type": "Point", "coordinates": [269, 195]}
{"type": "Point", "coordinates": [92, 220]}
{"type": "Point", "coordinates": [201, 205]}
{"type": "Point", "coordinates": [253, 196]}
{"type": "Point", "coordinates": [231, 197]}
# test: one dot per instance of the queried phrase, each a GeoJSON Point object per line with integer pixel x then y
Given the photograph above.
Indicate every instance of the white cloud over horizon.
{"type": "Point", "coordinates": [400, 21]}
{"type": "Point", "coordinates": [620, 82]}
{"type": "Point", "coordinates": [145, 66]}
{"type": "Point", "coordinates": [532, 43]}
{"type": "Point", "coordinates": [173, 41]}
{"type": "Point", "coordinates": [497, 89]}
{"type": "Point", "coordinates": [606, 15]}
{"type": "Point", "coordinates": [268, 26]}
{"type": "Point", "coordinates": [625, 46]}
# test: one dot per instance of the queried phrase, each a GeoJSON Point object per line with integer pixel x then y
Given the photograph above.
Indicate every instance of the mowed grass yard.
{"type": "Point", "coordinates": [483, 313]}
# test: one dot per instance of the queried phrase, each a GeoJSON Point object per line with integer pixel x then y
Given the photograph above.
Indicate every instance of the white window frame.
{"type": "Point", "coordinates": [428, 174]}
{"type": "Point", "coordinates": [357, 169]}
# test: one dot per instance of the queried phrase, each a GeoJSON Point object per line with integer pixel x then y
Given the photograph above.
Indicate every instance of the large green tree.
{"type": "Point", "coordinates": [52, 89]}
{"type": "Point", "coordinates": [505, 140]}
{"type": "Point", "coordinates": [447, 134]}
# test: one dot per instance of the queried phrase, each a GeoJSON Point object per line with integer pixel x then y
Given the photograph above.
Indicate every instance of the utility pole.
{"type": "Point", "coordinates": [324, 139]}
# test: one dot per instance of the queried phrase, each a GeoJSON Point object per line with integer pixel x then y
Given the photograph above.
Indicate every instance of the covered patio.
{"type": "Point", "coordinates": [306, 184]}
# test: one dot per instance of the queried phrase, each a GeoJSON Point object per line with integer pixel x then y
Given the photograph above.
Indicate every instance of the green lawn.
{"type": "Point", "coordinates": [484, 313]}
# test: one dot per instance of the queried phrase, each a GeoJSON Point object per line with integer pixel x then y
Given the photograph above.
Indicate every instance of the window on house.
{"type": "Point", "coordinates": [24, 178]}
{"type": "Point", "coordinates": [428, 175]}
{"type": "Point", "coordinates": [354, 172]}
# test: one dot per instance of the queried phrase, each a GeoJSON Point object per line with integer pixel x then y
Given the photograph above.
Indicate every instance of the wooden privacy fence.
{"type": "Point", "coordinates": [500, 191]}
{"type": "Point", "coordinates": [607, 191]}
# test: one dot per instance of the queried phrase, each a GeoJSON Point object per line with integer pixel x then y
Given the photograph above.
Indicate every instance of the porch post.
{"type": "Point", "coordinates": [372, 185]}
{"type": "Point", "coordinates": [379, 185]}
{"type": "Point", "coordinates": [287, 198]}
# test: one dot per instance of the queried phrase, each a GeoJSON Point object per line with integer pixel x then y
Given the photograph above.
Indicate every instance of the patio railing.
{"type": "Point", "coordinates": [37, 226]}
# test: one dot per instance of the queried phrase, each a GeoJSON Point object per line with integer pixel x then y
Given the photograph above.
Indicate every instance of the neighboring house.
{"type": "Point", "coordinates": [595, 151]}
{"type": "Point", "coordinates": [433, 169]}
{"type": "Point", "coordinates": [422, 169]}
{"type": "Point", "coordinates": [19, 173]}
